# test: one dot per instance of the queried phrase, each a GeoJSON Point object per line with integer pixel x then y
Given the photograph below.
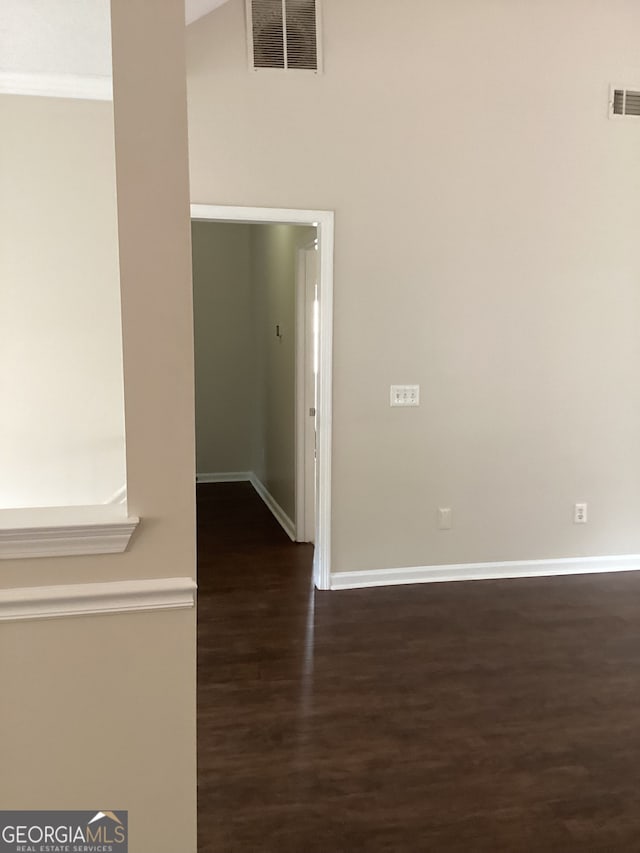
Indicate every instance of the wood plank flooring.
{"type": "Point", "coordinates": [459, 718]}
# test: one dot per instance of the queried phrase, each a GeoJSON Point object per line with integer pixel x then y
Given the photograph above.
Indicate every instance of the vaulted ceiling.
{"type": "Point", "coordinates": [62, 37]}
{"type": "Point", "coordinates": [199, 8]}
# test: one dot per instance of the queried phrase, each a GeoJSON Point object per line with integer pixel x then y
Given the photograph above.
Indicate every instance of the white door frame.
{"type": "Point", "coordinates": [306, 491]}
{"type": "Point", "coordinates": [324, 222]}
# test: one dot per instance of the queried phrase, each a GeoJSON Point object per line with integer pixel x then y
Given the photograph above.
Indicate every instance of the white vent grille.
{"type": "Point", "coordinates": [283, 34]}
{"type": "Point", "coordinates": [625, 102]}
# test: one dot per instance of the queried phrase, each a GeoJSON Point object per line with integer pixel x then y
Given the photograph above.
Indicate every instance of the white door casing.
{"type": "Point", "coordinates": [323, 220]}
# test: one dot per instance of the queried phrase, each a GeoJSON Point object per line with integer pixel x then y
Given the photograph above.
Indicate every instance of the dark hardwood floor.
{"type": "Point", "coordinates": [470, 717]}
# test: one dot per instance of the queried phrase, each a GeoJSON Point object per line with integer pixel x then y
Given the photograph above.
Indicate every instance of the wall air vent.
{"type": "Point", "coordinates": [284, 35]}
{"type": "Point", "coordinates": [624, 102]}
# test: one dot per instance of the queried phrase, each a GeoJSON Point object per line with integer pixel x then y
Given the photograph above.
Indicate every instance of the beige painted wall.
{"type": "Point", "coordinates": [224, 348]}
{"type": "Point", "coordinates": [102, 710]}
{"type": "Point", "coordinates": [486, 248]}
{"type": "Point", "coordinates": [60, 339]}
{"type": "Point", "coordinates": [274, 251]}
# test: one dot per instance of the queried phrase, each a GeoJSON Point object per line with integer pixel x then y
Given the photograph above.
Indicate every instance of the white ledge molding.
{"type": "Point", "coordinates": [88, 599]}
{"type": "Point", "coordinates": [64, 531]}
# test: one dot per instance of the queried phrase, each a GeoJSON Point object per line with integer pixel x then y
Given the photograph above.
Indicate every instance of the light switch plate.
{"type": "Point", "coordinates": [405, 395]}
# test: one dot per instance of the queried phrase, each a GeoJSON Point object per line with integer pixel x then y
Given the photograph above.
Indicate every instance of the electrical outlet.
{"type": "Point", "coordinates": [445, 518]}
{"type": "Point", "coordinates": [405, 395]}
{"type": "Point", "coordinates": [580, 514]}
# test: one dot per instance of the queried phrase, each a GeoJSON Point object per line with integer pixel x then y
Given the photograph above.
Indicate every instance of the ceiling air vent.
{"type": "Point", "coordinates": [625, 102]}
{"type": "Point", "coordinates": [284, 34]}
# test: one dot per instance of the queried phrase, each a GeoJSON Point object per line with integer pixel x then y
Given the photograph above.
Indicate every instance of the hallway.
{"type": "Point", "coordinates": [449, 718]}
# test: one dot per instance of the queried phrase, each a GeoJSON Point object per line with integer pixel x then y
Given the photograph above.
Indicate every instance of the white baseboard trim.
{"type": "Point", "coordinates": [84, 86]}
{"type": "Point", "coordinates": [225, 477]}
{"type": "Point", "coordinates": [89, 599]}
{"type": "Point", "coordinates": [485, 571]}
{"type": "Point", "coordinates": [64, 531]}
{"type": "Point", "coordinates": [278, 513]}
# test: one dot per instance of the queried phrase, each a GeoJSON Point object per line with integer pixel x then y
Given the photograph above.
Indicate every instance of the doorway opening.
{"type": "Point", "coordinates": [285, 345]}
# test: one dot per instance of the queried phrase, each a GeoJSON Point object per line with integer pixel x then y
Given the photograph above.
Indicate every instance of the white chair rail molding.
{"type": "Point", "coordinates": [91, 599]}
